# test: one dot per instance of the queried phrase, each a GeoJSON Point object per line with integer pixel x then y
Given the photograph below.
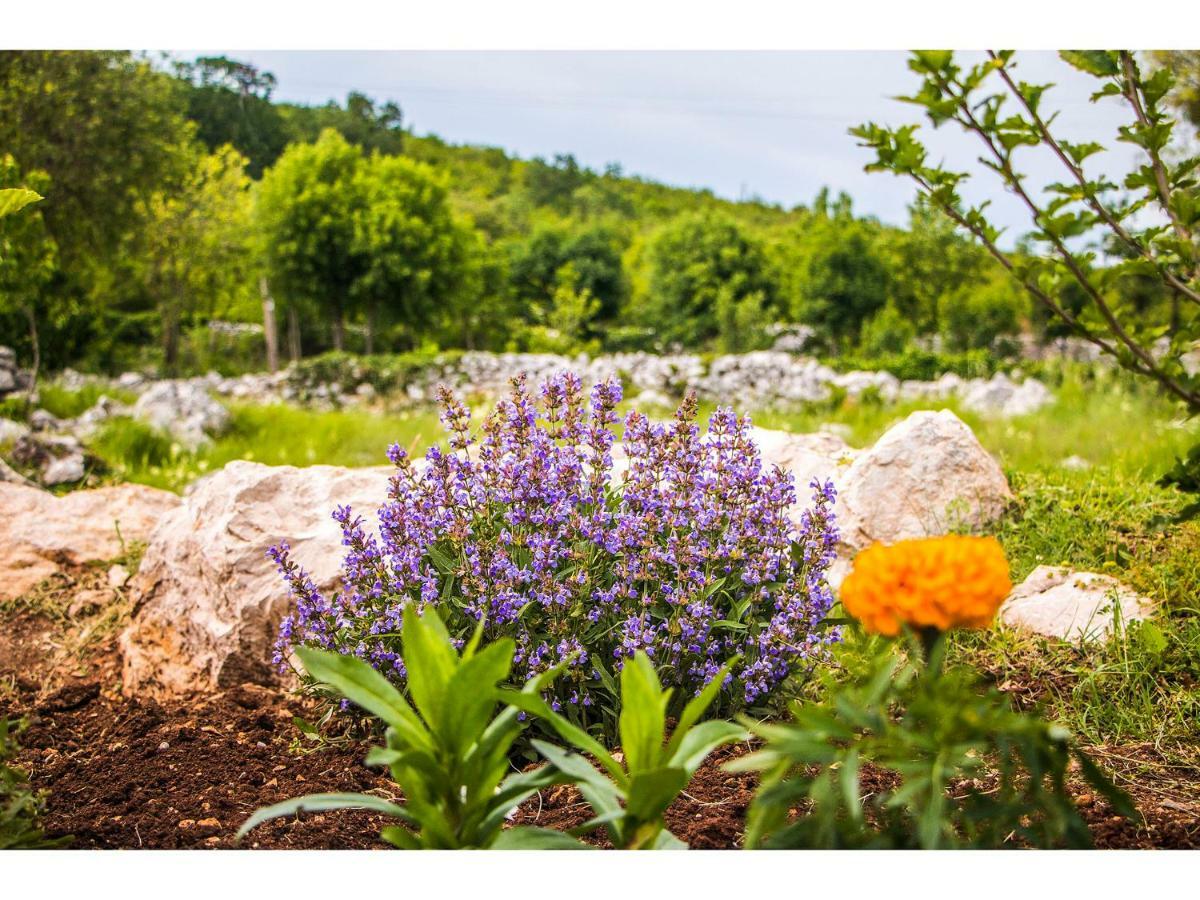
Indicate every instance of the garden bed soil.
{"type": "Point", "coordinates": [123, 773]}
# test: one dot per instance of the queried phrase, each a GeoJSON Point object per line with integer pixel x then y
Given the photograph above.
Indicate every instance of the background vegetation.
{"type": "Point", "coordinates": [178, 194]}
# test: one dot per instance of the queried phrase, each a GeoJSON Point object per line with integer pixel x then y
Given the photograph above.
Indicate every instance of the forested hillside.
{"type": "Point", "coordinates": [180, 195]}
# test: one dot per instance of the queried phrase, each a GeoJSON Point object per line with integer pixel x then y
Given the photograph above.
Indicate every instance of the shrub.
{"type": "Point", "coordinates": [689, 555]}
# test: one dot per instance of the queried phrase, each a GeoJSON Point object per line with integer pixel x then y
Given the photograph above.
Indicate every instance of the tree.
{"type": "Point", "coordinates": [1157, 221]}
{"type": "Point", "coordinates": [977, 315]}
{"type": "Point", "coordinates": [108, 130]}
{"type": "Point", "coordinates": [594, 253]}
{"type": "Point", "coordinates": [28, 255]}
{"type": "Point", "coordinates": [697, 263]}
{"type": "Point", "coordinates": [195, 249]}
{"type": "Point", "coordinates": [1184, 66]}
{"type": "Point", "coordinates": [106, 127]}
{"type": "Point", "coordinates": [411, 246]}
{"type": "Point", "coordinates": [360, 122]}
{"type": "Point", "coordinates": [930, 263]}
{"type": "Point", "coordinates": [307, 207]}
{"type": "Point", "coordinates": [230, 102]}
{"type": "Point", "coordinates": [842, 278]}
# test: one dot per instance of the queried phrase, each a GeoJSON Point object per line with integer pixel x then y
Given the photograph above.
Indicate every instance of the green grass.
{"type": "Point", "coordinates": [67, 404]}
{"type": "Point", "coordinates": [276, 435]}
{"type": "Point", "coordinates": [1106, 423]}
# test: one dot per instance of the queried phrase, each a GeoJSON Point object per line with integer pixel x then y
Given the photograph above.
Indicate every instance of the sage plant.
{"type": "Point", "coordinates": [677, 543]}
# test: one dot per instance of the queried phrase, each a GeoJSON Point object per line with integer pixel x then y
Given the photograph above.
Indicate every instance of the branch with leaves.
{"type": "Point", "coordinates": [1078, 218]}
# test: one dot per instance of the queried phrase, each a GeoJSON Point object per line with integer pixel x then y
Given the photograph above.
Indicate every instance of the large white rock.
{"type": "Point", "coordinates": [1075, 606]}
{"type": "Point", "coordinates": [209, 600]}
{"type": "Point", "coordinates": [925, 476]}
{"type": "Point", "coordinates": [819, 455]}
{"type": "Point", "coordinates": [184, 409]}
{"type": "Point", "coordinates": [43, 533]}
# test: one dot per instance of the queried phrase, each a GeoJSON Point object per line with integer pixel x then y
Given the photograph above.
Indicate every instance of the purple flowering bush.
{"type": "Point", "coordinates": [680, 546]}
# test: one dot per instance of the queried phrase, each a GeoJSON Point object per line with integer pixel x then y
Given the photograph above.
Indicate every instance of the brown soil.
{"type": "Point", "coordinates": [127, 774]}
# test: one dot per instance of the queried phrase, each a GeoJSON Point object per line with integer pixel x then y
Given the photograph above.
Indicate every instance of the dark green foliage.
{"type": "Point", "coordinates": [230, 102]}
{"type": "Point", "coordinates": [958, 767]}
{"type": "Point", "coordinates": [844, 281]}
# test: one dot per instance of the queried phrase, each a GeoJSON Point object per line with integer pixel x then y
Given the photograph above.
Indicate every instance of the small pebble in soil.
{"type": "Point", "coordinates": [163, 746]}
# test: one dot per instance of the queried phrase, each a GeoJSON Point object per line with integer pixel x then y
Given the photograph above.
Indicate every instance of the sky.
{"type": "Point", "coordinates": [771, 124]}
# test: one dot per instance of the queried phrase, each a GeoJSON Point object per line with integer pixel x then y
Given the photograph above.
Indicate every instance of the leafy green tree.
{"type": "Point", "coordinates": [697, 264]}
{"type": "Point", "coordinates": [979, 315]}
{"type": "Point", "coordinates": [360, 121]}
{"type": "Point", "coordinates": [105, 126]}
{"type": "Point", "coordinates": [28, 255]}
{"type": "Point", "coordinates": [308, 204]}
{"type": "Point", "coordinates": [930, 262]}
{"type": "Point", "coordinates": [411, 245]}
{"type": "Point", "coordinates": [888, 331]}
{"type": "Point", "coordinates": [594, 254]}
{"type": "Point", "coordinates": [195, 250]}
{"type": "Point", "coordinates": [1184, 66]}
{"type": "Point", "coordinates": [230, 102]}
{"type": "Point", "coordinates": [842, 279]}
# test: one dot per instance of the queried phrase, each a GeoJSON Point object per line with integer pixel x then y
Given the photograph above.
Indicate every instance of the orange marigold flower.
{"type": "Point", "coordinates": [943, 583]}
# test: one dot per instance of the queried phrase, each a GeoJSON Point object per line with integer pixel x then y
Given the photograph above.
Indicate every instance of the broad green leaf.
{"type": "Point", "coordinates": [430, 659]}
{"type": "Point", "coordinates": [1101, 63]}
{"type": "Point", "coordinates": [651, 792]}
{"type": "Point", "coordinates": [401, 837]}
{"type": "Point", "coordinates": [15, 199]}
{"type": "Point", "coordinates": [471, 694]}
{"type": "Point", "coordinates": [668, 841]}
{"type": "Point", "coordinates": [701, 740]}
{"type": "Point", "coordinates": [696, 708]}
{"type": "Point", "coordinates": [537, 706]}
{"type": "Point", "coordinates": [321, 803]}
{"type": "Point", "coordinates": [355, 680]}
{"type": "Point", "coordinates": [526, 837]}
{"type": "Point", "coordinates": [643, 714]}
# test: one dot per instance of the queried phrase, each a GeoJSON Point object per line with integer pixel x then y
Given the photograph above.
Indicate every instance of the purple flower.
{"type": "Point", "coordinates": [684, 548]}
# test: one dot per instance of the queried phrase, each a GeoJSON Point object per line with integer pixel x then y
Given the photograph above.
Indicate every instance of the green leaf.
{"type": "Point", "coordinates": [701, 741]}
{"type": "Point", "coordinates": [430, 659]}
{"type": "Point", "coordinates": [321, 803]}
{"type": "Point", "coordinates": [667, 841]}
{"type": "Point", "coordinates": [652, 791]}
{"type": "Point", "coordinates": [401, 837]}
{"type": "Point", "coordinates": [526, 837]}
{"type": "Point", "coordinates": [537, 706]}
{"type": "Point", "coordinates": [643, 714]}
{"type": "Point", "coordinates": [1101, 63]}
{"type": "Point", "coordinates": [696, 708]}
{"type": "Point", "coordinates": [355, 680]}
{"type": "Point", "coordinates": [15, 199]}
{"type": "Point", "coordinates": [471, 694]}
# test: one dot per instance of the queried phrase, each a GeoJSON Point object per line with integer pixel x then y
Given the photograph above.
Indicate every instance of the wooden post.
{"type": "Point", "coordinates": [269, 331]}
{"type": "Point", "coordinates": [293, 334]}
